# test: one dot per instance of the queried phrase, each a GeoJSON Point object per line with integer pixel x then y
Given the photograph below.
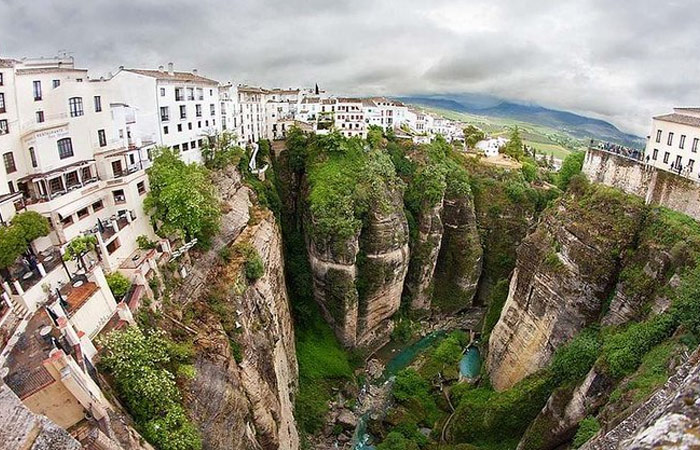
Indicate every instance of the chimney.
{"type": "Point", "coordinates": [121, 67]}
{"type": "Point", "coordinates": [170, 69]}
{"type": "Point", "coordinates": [194, 71]}
{"type": "Point", "coordinates": [160, 68]}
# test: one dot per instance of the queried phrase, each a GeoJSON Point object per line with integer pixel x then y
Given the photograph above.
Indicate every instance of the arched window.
{"type": "Point", "coordinates": [65, 148]}
{"type": "Point", "coordinates": [32, 155]}
{"type": "Point", "coordinates": [76, 106]}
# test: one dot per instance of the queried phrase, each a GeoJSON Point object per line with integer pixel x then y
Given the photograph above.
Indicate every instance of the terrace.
{"type": "Point", "coordinates": [33, 268]}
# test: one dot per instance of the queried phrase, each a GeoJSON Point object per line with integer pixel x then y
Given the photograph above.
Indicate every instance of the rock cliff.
{"type": "Point", "coordinates": [565, 271]}
{"type": "Point", "coordinates": [424, 254]}
{"type": "Point", "coordinates": [459, 260]}
{"type": "Point", "coordinates": [246, 379]}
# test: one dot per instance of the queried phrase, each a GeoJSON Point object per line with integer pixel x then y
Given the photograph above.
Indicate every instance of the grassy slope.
{"type": "Point", "coordinates": [544, 139]}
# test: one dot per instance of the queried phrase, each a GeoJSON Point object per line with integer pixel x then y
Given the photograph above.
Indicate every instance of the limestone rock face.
{"type": "Point", "coordinates": [358, 281]}
{"type": "Point", "coordinates": [670, 418]}
{"type": "Point", "coordinates": [242, 395]}
{"type": "Point", "coordinates": [460, 258]}
{"type": "Point", "coordinates": [558, 421]}
{"type": "Point", "coordinates": [424, 255]}
{"type": "Point", "coordinates": [564, 272]}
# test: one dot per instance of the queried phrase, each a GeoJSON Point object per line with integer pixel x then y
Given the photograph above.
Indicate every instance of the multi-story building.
{"type": "Point", "coordinates": [349, 117]}
{"type": "Point", "coordinates": [176, 109]}
{"type": "Point", "coordinates": [674, 142]}
{"type": "Point", "coordinates": [384, 113]}
{"type": "Point", "coordinates": [251, 104]}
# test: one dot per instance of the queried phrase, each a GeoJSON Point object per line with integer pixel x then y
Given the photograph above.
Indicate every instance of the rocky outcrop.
{"type": "Point", "coordinates": [460, 258]}
{"type": "Point", "coordinates": [246, 368]}
{"type": "Point", "coordinates": [670, 418]}
{"type": "Point", "coordinates": [558, 421]}
{"type": "Point", "coordinates": [565, 271]}
{"type": "Point", "coordinates": [358, 281]}
{"type": "Point", "coordinates": [424, 254]}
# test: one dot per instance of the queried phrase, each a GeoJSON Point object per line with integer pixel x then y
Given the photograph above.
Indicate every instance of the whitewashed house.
{"type": "Point", "coordinates": [674, 142]}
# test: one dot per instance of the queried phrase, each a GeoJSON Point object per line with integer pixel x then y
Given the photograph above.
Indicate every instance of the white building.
{"type": "Point", "coordinates": [384, 113]}
{"type": "Point", "coordinates": [674, 141]}
{"type": "Point", "coordinates": [251, 104]}
{"type": "Point", "coordinates": [491, 146]}
{"type": "Point", "coordinates": [175, 109]}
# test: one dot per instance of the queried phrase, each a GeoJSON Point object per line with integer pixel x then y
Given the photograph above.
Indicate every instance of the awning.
{"type": "Point", "coordinates": [72, 207]}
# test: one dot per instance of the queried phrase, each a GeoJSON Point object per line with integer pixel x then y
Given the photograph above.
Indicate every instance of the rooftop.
{"type": "Point", "coordinates": [682, 119]}
{"type": "Point", "coordinates": [35, 70]}
{"type": "Point", "coordinates": [186, 77]}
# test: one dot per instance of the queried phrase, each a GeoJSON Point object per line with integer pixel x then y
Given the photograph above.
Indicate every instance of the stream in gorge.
{"type": "Point", "coordinates": [375, 394]}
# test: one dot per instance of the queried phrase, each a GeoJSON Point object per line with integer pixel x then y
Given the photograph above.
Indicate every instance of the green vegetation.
{"type": "Point", "coordinates": [572, 361]}
{"type": "Point", "coordinates": [118, 284]}
{"type": "Point", "coordinates": [571, 166]}
{"type": "Point", "coordinates": [497, 299]}
{"type": "Point", "coordinates": [16, 238]}
{"type": "Point", "coordinates": [442, 362]}
{"type": "Point", "coordinates": [145, 243]}
{"type": "Point", "coordinates": [78, 247]}
{"type": "Point", "coordinates": [144, 368]}
{"type": "Point", "coordinates": [412, 393]}
{"type": "Point", "coordinates": [182, 199]}
{"type": "Point", "coordinates": [514, 147]}
{"type": "Point", "coordinates": [472, 135]}
{"type": "Point", "coordinates": [586, 430]}
{"type": "Point", "coordinates": [219, 151]}
{"type": "Point", "coordinates": [651, 374]}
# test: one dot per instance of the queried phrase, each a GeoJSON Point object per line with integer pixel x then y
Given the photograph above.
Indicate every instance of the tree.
{"type": "Point", "coordinates": [572, 165]}
{"type": "Point", "coordinates": [140, 365]}
{"type": "Point", "coordinates": [118, 284]}
{"type": "Point", "coordinates": [472, 135]}
{"type": "Point", "coordinates": [296, 145]}
{"type": "Point", "coordinates": [32, 225]}
{"type": "Point", "coordinates": [514, 147]}
{"type": "Point", "coordinates": [12, 245]}
{"type": "Point", "coordinates": [182, 198]}
{"type": "Point", "coordinates": [78, 248]}
{"type": "Point", "coordinates": [220, 150]}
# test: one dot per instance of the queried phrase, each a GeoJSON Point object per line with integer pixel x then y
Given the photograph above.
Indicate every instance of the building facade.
{"type": "Point", "coordinates": [674, 141]}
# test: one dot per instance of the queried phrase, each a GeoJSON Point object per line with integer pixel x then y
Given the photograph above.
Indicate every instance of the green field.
{"type": "Point", "coordinates": [546, 140]}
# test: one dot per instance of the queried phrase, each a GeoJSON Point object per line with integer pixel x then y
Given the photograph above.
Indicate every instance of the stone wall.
{"type": "Point", "coordinates": [655, 186]}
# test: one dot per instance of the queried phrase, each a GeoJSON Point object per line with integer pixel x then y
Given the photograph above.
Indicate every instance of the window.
{"type": "Point", "coordinates": [211, 92]}
{"type": "Point", "coordinates": [183, 112]}
{"type": "Point", "coordinates": [39, 116]}
{"type": "Point", "coordinates": [121, 134]}
{"type": "Point", "coordinates": [658, 135]}
{"type": "Point", "coordinates": [691, 163]}
{"type": "Point", "coordinates": [185, 146]}
{"type": "Point", "coordinates": [666, 155]}
{"type": "Point", "coordinates": [56, 83]}
{"type": "Point", "coordinates": [11, 187]}
{"type": "Point", "coordinates": [65, 148]}
{"type": "Point", "coordinates": [655, 154]}
{"type": "Point", "coordinates": [193, 144]}
{"type": "Point", "coordinates": [190, 93]}
{"type": "Point", "coordinates": [113, 246]}
{"type": "Point", "coordinates": [32, 156]}
{"type": "Point", "coordinates": [198, 110]}
{"type": "Point", "coordinates": [681, 144]}
{"type": "Point", "coordinates": [9, 160]}
{"type": "Point", "coordinates": [212, 109]}
{"type": "Point", "coordinates": [119, 196]}
{"type": "Point", "coordinates": [179, 94]}
{"type": "Point", "coordinates": [117, 168]}
{"type": "Point", "coordinates": [85, 173]}
{"type": "Point", "coordinates": [141, 187]}
{"type": "Point", "coordinates": [179, 127]}
{"type": "Point", "coordinates": [102, 138]}
{"type": "Point", "coordinates": [189, 126]}
{"type": "Point", "coordinates": [66, 221]}
{"type": "Point", "coordinates": [2, 80]}
{"type": "Point", "coordinates": [162, 92]}
{"type": "Point", "coordinates": [98, 103]}
{"type": "Point", "coordinates": [694, 147]}
{"type": "Point", "coordinates": [206, 123]}
{"type": "Point", "coordinates": [164, 114]}
{"type": "Point", "coordinates": [98, 205]}
{"type": "Point", "coordinates": [200, 93]}
{"type": "Point", "coordinates": [2, 102]}
{"type": "Point", "coordinates": [4, 129]}
{"type": "Point", "coordinates": [176, 148]}
{"type": "Point", "coordinates": [82, 213]}
{"type": "Point", "coordinates": [36, 87]}
{"type": "Point", "coordinates": [165, 130]}
{"type": "Point", "coordinates": [75, 105]}
{"type": "Point", "coordinates": [670, 139]}
{"type": "Point", "coordinates": [199, 124]}
{"type": "Point", "coordinates": [56, 185]}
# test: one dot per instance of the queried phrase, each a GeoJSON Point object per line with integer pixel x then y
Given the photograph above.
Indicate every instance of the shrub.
{"type": "Point", "coordinates": [118, 284]}
{"type": "Point", "coordinates": [144, 243]}
{"type": "Point", "coordinates": [413, 393]}
{"type": "Point", "coordinates": [586, 430]}
{"type": "Point", "coordinates": [572, 165]}
{"type": "Point", "coordinates": [497, 299]}
{"type": "Point", "coordinates": [254, 266]}
{"type": "Point", "coordinates": [572, 361]}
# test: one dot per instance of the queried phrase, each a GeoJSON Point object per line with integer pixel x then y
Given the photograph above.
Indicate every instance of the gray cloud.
{"type": "Point", "coordinates": [622, 61]}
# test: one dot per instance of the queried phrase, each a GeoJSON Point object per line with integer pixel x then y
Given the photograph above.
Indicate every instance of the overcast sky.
{"type": "Point", "coordinates": [620, 60]}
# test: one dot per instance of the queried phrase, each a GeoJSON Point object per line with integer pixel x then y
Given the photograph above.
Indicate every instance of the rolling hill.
{"type": "Point", "coordinates": [575, 125]}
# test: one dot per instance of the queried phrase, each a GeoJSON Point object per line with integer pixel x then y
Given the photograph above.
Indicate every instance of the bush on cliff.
{"type": "Point", "coordinates": [143, 367]}
{"type": "Point", "coordinates": [572, 165]}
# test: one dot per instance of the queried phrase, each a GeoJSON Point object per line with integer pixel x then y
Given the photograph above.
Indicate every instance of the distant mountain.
{"type": "Point", "coordinates": [578, 126]}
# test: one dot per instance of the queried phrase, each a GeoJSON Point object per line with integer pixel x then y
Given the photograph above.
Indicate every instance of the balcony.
{"type": "Point", "coordinates": [50, 121]}
{"type": "Point", "coordinates": [28, 273]}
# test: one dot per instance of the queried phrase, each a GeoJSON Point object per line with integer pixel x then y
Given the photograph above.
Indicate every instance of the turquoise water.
{"type": "Point", "coordinates": [470, 364]}
{"type": "Point", "coordinates": [398, 362]}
